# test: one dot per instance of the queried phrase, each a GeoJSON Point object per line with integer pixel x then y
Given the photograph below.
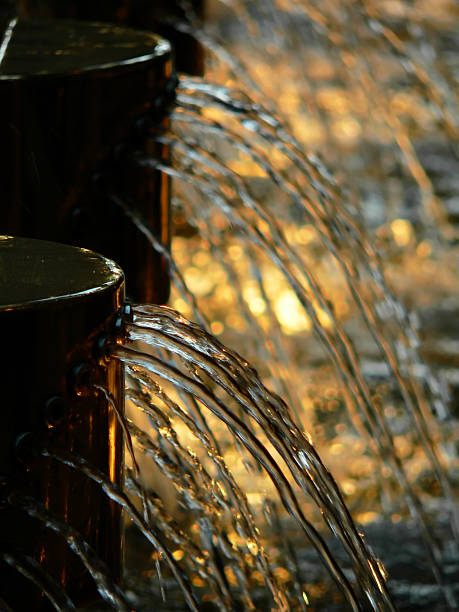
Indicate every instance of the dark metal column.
{"type": "Point", "coordinates": [161, 16]}
{"type": "Point", "coordinates": [72, 96]}
{"type": "Point", "coordinates": [55, 300]}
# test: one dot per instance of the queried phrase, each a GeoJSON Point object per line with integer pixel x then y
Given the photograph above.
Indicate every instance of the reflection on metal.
{"type": "Point", "coordinates": [72, 98]}
{"type": "Point", "coordinates": [55, 301]}
{"type": "Point", "coordinates": [160, 16]}
{"type": "Point", "coordinates": [7, 35]}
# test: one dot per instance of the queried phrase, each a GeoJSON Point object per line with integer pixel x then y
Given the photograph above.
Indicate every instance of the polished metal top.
{"type": "Point", "coordinates": [35, 271]}
{"type": "Point", "coordinates": [36, 47]}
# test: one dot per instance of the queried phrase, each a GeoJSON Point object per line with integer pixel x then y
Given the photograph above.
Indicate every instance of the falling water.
{"type": "Point", "coordinates": [201, 403]}
{"type": "Point", "coordinates": [223, 535]}
{"type": "Point", "coordinates": [285, 256]}
{"type": "Point", "coordinates": [273, 246]}
{"type": "Point", "coordinates": [235, 210]}
{"type": "Point", "coordinates": [236, 378]}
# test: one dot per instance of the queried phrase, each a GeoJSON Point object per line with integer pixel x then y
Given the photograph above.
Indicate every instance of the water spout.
{"type": "Point", "coordinates": [307, 216]}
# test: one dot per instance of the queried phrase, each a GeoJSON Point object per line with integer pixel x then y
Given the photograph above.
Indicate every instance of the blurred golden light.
{"type": "Point", "coordinates": [424, 249]}
{"type": "Point", "coordinates": [402, 231]}
{"type": "Point", "coordinates": [235, 252]}
{"type": "Point", "coordinates": [253, 298]}
{"type": "Point", "coordinates": [334, 100]}
{"type": "Point", "coordinates": [215, 114]}
{"type": "Point", "coordinates": [289, 101]}
{"type": "Point", "coordinates": [290, 313]}
{"type": "Point", "coordinates": [366, 517]}
{"type": "Point", "coordinates": [178, 554]}
{"type": "Point", "coordinates": [217, 327]}
{"type": "Point", "coordinates": [230, 575]}
{"type": "Point", "coordinates": [324, 318]}
{"type": "Point", "coordinates": [247, 168]}
{"type": "Point", "coordinates": [306, 234]}
{"type": "Point", "coordinates": [282, 574]}
{"type": "Point", "coordinates": [348, 487]}
{"type": "Point", "coordinates": [309, 130]}
{"type": "Point", "coordinates": [198, 282]}
{"type": "Point", "coordinates": [201, 258]}
{"type": "Point", "coordinates": [257, 576]}
{"type": "Point", "coordinates": [236, 322]}
{"type": "Point", "coordinates": [346, 130]}
{"type": "Point", "coordinates": [181, 306]}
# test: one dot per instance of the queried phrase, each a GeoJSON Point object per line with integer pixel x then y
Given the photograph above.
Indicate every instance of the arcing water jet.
{"type": "Point", "coordinates": [338, 233]}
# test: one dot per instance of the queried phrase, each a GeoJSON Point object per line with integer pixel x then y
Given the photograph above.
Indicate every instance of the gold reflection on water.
{"type": "Point", "coordinates": [353, 104]}
{"type": "Point", "coordinates": [113, 452]}
{"type": "Point", "coordinates": [355, 107]}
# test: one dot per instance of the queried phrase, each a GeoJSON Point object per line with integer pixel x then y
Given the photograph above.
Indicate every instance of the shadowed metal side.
{"type": "Point", "coordinates": [161, 16]}
{"type": "Point", "coordinates": [72, 97]}
{"type": "Point", "coordinates": [55, 301]}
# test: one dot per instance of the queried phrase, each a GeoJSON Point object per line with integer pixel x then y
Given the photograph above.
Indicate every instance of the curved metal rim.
{"type": "Point", "coordinates": [161, 49]}
{"type": "Point", "coordinates": [108, 280]}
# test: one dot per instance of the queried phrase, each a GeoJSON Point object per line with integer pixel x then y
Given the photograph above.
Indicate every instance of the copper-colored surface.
{"type": "Point", "coordinates": [44, 336]}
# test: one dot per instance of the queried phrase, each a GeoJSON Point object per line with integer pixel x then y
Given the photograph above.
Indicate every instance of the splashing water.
{"type": "Point", "coordinates": [288, 261]}
{"type": "Point", "coordinates": [235, 221]}
{"type": "Point", "coordinates": [221, 538]}
{"type": "Point", "coordinates": [168, 330]}
{"type": "Point", "coordinates": [271, 249]}
{"type": "Point", "coordinates": [180, 378]}
{"type": "Point", "coordinates": [271, 252]}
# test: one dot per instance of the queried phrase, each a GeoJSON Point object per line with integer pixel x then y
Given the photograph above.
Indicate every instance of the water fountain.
{"type": "Point", "coordinates": [227, 150]}
{"type": "Point", "coordinates": [69, 431]}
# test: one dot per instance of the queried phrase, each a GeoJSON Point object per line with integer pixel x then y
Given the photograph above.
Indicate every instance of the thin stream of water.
{"type": "Point", "coordinates": [127, 438]}
{"type": "Point", "coordinates": [418, 416]}
{"type": "Point", "coordinates": [341, 33]}
{"type": "Point", "coordinates": [398, 343]}
{"type": "Point", "coordinates": [408, 385]}
{"type": "Point", "coordinates": [337, 229]}
{"type": "Point", "coordinates": [284, 431]}
{"type": "Point", "coordinates": [338, 344]}
{"type": "Point", "coordinates": [345, 363]}
{"type": "Point", "coordinates": [109, 591]}
{"type": "Point", "coordinates": [373, 324]}
{"type": "Point", "coordinates": [389, 455]}
{"type": "Point", "coordinates": [201, 491]}
{"type": "Point", "coordinates": [32, 570]}
{"type": "Point", "coordinates": [294, 448]}
{"type": "Point", "coordinates": [352, 62]}
{"type": "Point", "coordinates": [203, 512]}
{"type": "Point", "coordinates": [179, 377]}
{"type": "Point", "coordinates": [250, 442]}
